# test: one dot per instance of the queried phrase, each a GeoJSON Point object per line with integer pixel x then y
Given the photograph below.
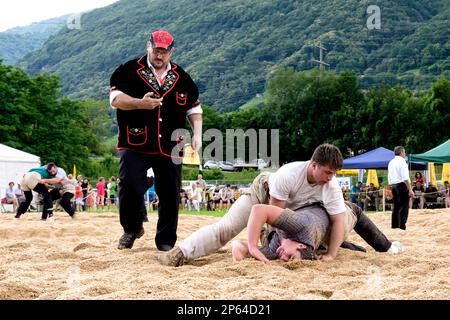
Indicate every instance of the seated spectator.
{"type": "Point", "coordinates": [10, 196]}
{"type": "Point", "coordinates": [20, 195]}
{"type": "Point", "coordinates": [345, 193]}
{"type": "Point", "coordinates": [195, 198]}
{"type": "Point", "coordinates": [418, 178]}
{"type": "Point", "coordinates": [431, 196]}
{"type": "Point", "coordinates": [227, 197]}
{"type": "Point", "coordinates": [389, 197]}
{"type": "Point", "coordinates": [372, 198]}
{"type": "Point", "coordinates": [208, 199]}
{"type": "Point", "coordinates": [446, 194]}
{"type": "Point", "coordinates": [183, 199]}
{"type": "Point", "coordinates": [216, 197]}
{"type": "Point", "coordinates": [236, 193]}
{"type": "Point", "coordinates": [418, 201]}
{"type": "Point", "coordinates": [355, 192]}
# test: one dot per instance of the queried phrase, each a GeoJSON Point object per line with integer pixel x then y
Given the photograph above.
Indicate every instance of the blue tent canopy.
{"type": "Point", "coordinates": [377, 159]}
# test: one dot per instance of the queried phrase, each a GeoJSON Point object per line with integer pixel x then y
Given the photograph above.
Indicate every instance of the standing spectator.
{"type": "Point", "coordinates": [89, 196]}
{"type": "Point", "coordinates": [153, 97]}
{"type": "Point", "coordinates": [101, 190]}
{"type": "Point", "coordinates": [84, 186]}
{"type": "Point", "coordinates": [202, 184]}
{"type": "Point", "coordinates": [112, 191]}
{"type": "Point", "coordinates": [79, 196]}
{"type": "Point", "coordinates": [398, 178]}
{"type": "Point", "coordinates": [10, 196]}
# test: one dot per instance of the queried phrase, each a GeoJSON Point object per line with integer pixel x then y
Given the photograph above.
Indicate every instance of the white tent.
{"type": "Point", "coordinates": [13, 164]}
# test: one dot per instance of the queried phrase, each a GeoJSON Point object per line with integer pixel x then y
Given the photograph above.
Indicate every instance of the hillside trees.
{"type": "Point", "coordinates": [36, 119]}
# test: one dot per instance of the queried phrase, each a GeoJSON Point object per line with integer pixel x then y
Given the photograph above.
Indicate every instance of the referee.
{"type": "Point", "coordinates": [398, 178]}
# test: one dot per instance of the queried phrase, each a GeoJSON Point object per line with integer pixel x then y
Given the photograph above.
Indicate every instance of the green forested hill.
{"type": "Point", "coordinates": [15, 43]}
{"type": "Point", "coordinates": [232, 47]}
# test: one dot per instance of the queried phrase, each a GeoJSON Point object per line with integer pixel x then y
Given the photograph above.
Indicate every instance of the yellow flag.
{"type": "Point", "coordinates": [445, 172]}
{"type": "Point", "coordinates": [74, 171]}
{"type": "Point", "coordinates": [432, 173]}
{"type": "Point", "coordinates": [372, 177]}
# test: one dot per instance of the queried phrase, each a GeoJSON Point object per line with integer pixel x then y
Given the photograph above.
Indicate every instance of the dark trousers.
{"type": "Point", "coordinates": [132, 186]}
{"type": "Point", "coordinates": [367, 230]}
{"type": "Point", "coordinates": [400, 208]}
{"type": "Point", "coordinates": [65, 201]}
{"type": "Point", "coordinates": [48, 204]}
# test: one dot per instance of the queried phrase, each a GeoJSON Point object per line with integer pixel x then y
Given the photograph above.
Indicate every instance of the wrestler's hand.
{"type": "Point", "coordinates": [326, 257]}
{"type": "Point", "coordinates": [149, 101]}
{"type": "Point", "coordinates": [255, 253]}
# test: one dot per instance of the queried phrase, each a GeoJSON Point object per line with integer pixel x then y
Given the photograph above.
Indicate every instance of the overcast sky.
{"type": "Point", "coordinates": [14, 13]}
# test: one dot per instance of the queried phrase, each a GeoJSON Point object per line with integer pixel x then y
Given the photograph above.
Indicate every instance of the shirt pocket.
{"type": "Point", "coordinates": [181, 98]}
{"type": "Point", "coordinates": [136, 136]}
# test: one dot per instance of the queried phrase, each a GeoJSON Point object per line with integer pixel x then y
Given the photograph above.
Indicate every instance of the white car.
{"type": "Point", "coordinates": [226, 166]}
{"type": "Point", "coordinates": [211, 164]}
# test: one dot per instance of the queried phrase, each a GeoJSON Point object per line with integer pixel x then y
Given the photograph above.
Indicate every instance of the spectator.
{"type": "Point", "coordinates": [216, 197]}
{"type": "Point", "coordinates": [355, 192]}
{"type": "Point", "coordinates": [417, 202]}
{"type": "Point", "coordinates": [112, 191]}
{"type": "Point", "coordinates": [20, 195]}
{"type": "Point", "coordinates": [202, 184]}
{"type": "Point", "coordinates": [418, 178]}
{"type": "Point", "coordinates": [195, 198]}
{"type": "Point", "coordinates": [183, 199]}
{"type": "Point", "coordinates": [10, 196]}
{"type": "Point", "coordinates": [84, 186]}
{"type": "Point", "coordinates": [431, 196]}
{"type": "Point", "coordinates": [372, 198]}
{"type": "Point", "coordinates": [101, 188]}
{"type": "Point", "coordinates": [79, 196]}
{"type": "Point", "coordinates": [446, 194]}
{"type": "Point", "coordinates": [227, 196]}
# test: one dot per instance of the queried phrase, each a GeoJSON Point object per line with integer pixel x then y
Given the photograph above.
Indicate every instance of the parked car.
{"type": "Point", "coordinates": [211, 164]}
{"type": "Point", "coordinates": [226, 166]}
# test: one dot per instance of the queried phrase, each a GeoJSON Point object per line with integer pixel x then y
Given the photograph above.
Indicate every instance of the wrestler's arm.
{"type": "Point", "coordinates": [259, 215]}
{"type": "Point", "coordinates": [336, 236]}
{"type": "Point", "coordinates": [52, 180]}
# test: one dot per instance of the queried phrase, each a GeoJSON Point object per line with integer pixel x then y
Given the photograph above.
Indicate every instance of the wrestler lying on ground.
{"type": "Point", "coordinates": [300, 234]}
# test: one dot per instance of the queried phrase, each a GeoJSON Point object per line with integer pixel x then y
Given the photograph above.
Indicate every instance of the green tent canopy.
{"type": "Point", "coordinates": [439, 154]}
